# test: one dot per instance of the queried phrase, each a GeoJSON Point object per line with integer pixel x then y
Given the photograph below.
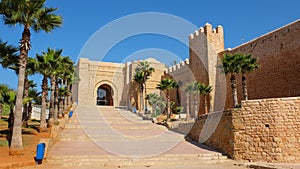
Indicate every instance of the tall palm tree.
{"type": "Point", "coordinates": [66, 72]}
{"type": "Point", "coordinates": [188, 89]}
{"type": "Point", "coordinates": [196, 90]}
{"type": "Point", "coordinates": [231, 65]}
{"type": "Point", "coordinates": [248, 64]}
{"type": "Point", "coordinates": [139, 79]}
{"type": "Point", "coordinates": [29, 14]}
{"type": "Point", "coordinates": [43, 65]}
{"type": "Point", "coordinates": [206, 90]}
{"type": "Point", "coordinates": [166, 85]}
{"type": "Point", "coordinates": [62, 94]}
{"type": "Point", "coordinates": [147, 70]}
{"type": "Point", "coordinates": [72, 79]}
{"type": "Point", "coordinates": [29, 84]}
{"type": "Point", "coordinates": [55, 71]}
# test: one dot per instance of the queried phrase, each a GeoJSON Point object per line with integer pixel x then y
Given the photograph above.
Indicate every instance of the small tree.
{"type": "Point", "coordinates": [195, 90]}
{"type": "Point", "coordinates": [154, 100]}
{"type": "Point", "coordinates": [139, 79]}
{"type": "Point", "coordinates": [206, 90]}
{"type": "Point", "coordinates": [9, 98]}
{"type": "Point", "coordinates": [145, 68]}
{"type": "Point", "coordinates": [188, 89]}
{"type": "Point", "coordinates": [231, 65]}
{"type": "Point", "coordinates": [248, 64]}
{"type": "Point", "coordinates": [3, 89]}
{"type": "Point", "coordinates": [166, 85]}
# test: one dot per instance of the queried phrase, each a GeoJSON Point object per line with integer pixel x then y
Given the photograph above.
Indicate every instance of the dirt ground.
{"type": "Point", "coordinates": [30, 140]}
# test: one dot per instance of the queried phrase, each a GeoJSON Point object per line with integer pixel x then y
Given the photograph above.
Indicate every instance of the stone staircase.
{"type": "Point", "coordinates": [115, 161]}
{"type": "Point", "coordinates": [88, 141]}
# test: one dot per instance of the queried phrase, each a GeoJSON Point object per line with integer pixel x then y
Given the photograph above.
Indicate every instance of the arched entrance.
{"type": "Point", "coordinates": [105, 95]}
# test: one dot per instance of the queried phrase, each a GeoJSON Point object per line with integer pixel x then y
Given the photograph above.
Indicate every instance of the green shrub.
{"type": "Point", "coordinates": [3, 143]}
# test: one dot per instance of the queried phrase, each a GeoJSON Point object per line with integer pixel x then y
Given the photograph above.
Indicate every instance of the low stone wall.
{"type": "Point", "coordinates": [267, 130]}
{"type": "Point", "coordinates": [262, 130]}
{"type": "Point", "coordinates": [215, 130]}
{"type": "Point", "coordinates": [182, 127]}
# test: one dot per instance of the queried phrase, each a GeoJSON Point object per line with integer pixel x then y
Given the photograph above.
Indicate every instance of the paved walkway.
{"type": "Point", "coordinates": [104, 137]}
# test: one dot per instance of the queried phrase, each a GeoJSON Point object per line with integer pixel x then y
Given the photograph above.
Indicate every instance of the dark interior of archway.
{"type": "Point", "coordinates": [105, 95]}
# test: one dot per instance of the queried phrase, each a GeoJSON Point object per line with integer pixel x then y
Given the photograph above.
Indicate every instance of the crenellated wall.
{"type": "Point", "coordinates": [204, 46]}
{"type": "Point", "coordinates": [278, 55]}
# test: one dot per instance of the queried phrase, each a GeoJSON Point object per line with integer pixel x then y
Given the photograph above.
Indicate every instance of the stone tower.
{"type": "Point", "coordinates": [205, 44]}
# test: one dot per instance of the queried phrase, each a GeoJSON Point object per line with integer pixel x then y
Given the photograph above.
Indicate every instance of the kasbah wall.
{"type": "Point", "coordinates": [267, 127]}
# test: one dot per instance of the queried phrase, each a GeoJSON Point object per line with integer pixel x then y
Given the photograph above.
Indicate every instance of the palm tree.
{"type": "Point", "coordinates": [54, 73]}
{"type": "Point", "coordinates": [139, 79]}
{"type": "Point", "coordinates": [29, 84]}
{"type": "Point", "coordinates": [43, 65]}
{"type": "Point", "coordinates": [188, 89]}
{"type": "Point", "coordinates": [29, 14]}
{"type": "Point", "coordinates": [154, 100]}
{"type": "Point", "coordinates": [248, 65]}
{"type": "Point", "coordinates": [231, 65]}
{"type": "Point", "coordinates": [147, 70]}
{"type": "Point", "coordinates": [196, 90]}
{"type": "Point", "coordinates": [35, 99]}
{"type": "Point", "coordinates": [179, 84]}
{"type": "Point", "coordinates": [66, 73]}
{"type": "Point", "coordinates": [72, 79]}
{"type": "Point", "coordinates": [166, 85]}
{"type": "Point", "coordinates": [9, 98]}
{"type": "Point", "coordinates": [206, 90]}
{"type": "Point", "coordinates": [3, 89]}
{"type": "Point", "coordinates": [62, 94]}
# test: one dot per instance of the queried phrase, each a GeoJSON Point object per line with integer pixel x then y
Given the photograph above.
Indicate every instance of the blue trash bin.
{"type": "Point", "coordinates": [40, 151]}
{"type": "Point", "coordinates": [71, 114]}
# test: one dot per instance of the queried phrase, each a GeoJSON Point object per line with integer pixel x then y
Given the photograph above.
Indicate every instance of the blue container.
{"type": "Point", "coordinates": [40, 151]}
{"type": "Point", "coordinates": [71, 114]}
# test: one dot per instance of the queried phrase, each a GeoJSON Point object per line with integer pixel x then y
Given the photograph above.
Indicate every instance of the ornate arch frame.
{"type": "Point", "coordinates": [112, 85]}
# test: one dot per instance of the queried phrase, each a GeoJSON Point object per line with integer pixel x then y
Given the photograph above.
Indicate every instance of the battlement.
{"type": "Point", "coordinates": [207, 30]}
{"type": "Point", "coordinates": [178, 66]}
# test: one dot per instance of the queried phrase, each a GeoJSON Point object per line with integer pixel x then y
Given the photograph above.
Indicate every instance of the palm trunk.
{"type": "Point", "coordinates": [55, 115]}
{"type": "Point", "coordinates": [205, 104]}
{"type": "Point", "coordinates": [61, 107]}
{"type": "Point", "coordinates": [187, 106]}
{"type": "Point", "coordinates": [196, 106]}
{"type": "Point", "coordinates": [234, 91]}
{"type": "Point", "coordinates": [168, 107]}
{"type": "Point", "coordinates": [66, 99]}
{"type": "Point", "coordinates": [141, 98]}
{"type": "Point", "coordinates": [51, 111]}
{"type": "Point", "coordinates": [146, 109]}
{"type": "Point", "coordinates": [70, 95]}
{"type": "Point", "coordinates": [16, 146]}
{"type": "Point", "coordinates": [25, 107]}
{"type": "Point", "coordinates": [244, 84]}
{"type": "Point", "coordinates": [29, 112]}
{"type": "Point", "coordinates": [43, 124]}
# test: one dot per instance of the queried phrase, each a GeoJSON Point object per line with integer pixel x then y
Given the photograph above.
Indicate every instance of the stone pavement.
{"type": "Point", "coordinates": [107, 137]}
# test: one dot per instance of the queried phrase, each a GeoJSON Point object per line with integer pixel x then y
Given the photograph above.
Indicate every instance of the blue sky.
{"type": "Point", "coordinates": [242, 21]}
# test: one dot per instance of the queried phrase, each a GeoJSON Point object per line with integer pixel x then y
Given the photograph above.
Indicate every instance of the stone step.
{"type": "Point", "coordinates": [115, 161]}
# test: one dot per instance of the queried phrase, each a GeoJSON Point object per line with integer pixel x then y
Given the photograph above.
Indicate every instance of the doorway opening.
{"type": "Point", "coordinates": [105, 95]}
